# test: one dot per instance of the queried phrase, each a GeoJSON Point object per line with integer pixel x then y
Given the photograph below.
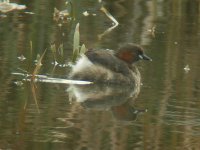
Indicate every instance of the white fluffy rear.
{"type": "Point", "coordinates": [85, 68]}
{"type": "Point", "coordinates": [82, 64]}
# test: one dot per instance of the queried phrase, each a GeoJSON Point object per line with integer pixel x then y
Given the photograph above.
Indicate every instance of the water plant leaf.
{"type": "Point", "coordinates": [38, 65]}
{"type": "Point", "coordinates": [83, 49]}
{"type": "Point", "coordinates": [76, 43]}
{"type": "Point", "coordinates": [31, 48]}
{"type": "Point", "coordinates": [53, 48]}
{"type": "Point", "coordinates": [61, 49]}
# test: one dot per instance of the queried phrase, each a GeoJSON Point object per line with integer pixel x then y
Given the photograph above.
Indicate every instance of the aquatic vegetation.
{"type": "Point", "coordinates": [7, 7]}
{"type": "Point", "coordinates": [38, 65]}
{"type": "Point", "coordinates": [104, 10]}
{"type": "Point", "coordinates": [77, 49]}
{"type": "Point", "coordinates": [76, 43]}
{"type": "Point", "coordinates": [57, 51]}
{"type": "Point", "coordinates": [63, 16]}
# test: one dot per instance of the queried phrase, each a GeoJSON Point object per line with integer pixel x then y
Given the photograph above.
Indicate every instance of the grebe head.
{"type": "Point", "coordinates": [131, 53]}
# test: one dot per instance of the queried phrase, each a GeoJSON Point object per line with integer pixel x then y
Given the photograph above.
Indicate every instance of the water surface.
{"type": "Point", "coordinates": [170, 91]}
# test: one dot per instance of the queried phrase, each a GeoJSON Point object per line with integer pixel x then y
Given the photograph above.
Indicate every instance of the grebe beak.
{"type": "Point", "coordinates": [145, 57]}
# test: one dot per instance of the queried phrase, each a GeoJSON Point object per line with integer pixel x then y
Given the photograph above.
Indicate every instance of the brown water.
{"type": "Point", "coordinates": [170, 93]}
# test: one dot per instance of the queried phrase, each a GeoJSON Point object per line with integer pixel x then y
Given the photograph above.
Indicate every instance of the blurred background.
{"type": "Point", "coordinates": [45, 116]}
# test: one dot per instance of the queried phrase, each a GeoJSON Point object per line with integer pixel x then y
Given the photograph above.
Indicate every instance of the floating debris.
{"type": "Point", "coordinates": [63, 16]}
{"type": "Point", "coordinates": [152, 31]}
{"type": "Point", "coordinates": [175, 43]}
{"type": "Point", "coordinates": [59, 65]}
{"type": "Point", "coordinates": [85, 13]}
{"type": "Point", "coordinates": [60, 25]}
{"type": "Point", "coordinates": [65, 65]}
{"type": "Point", "coordinates": [19, 83]}
{"type": "Point", "coordinates": [21, 58]}
{"type": "Point", "coordinates": [186, 68]}
{"type": "Point", "coordinates": [55, 63]}
{"type": "Point", "coordinates": [7, 7]}
{"type": "Point", "coordinates": [31, 13]}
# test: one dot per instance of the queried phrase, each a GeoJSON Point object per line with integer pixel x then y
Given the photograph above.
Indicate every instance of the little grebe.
{"type": "Point", "coordinates": [108, 66]}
